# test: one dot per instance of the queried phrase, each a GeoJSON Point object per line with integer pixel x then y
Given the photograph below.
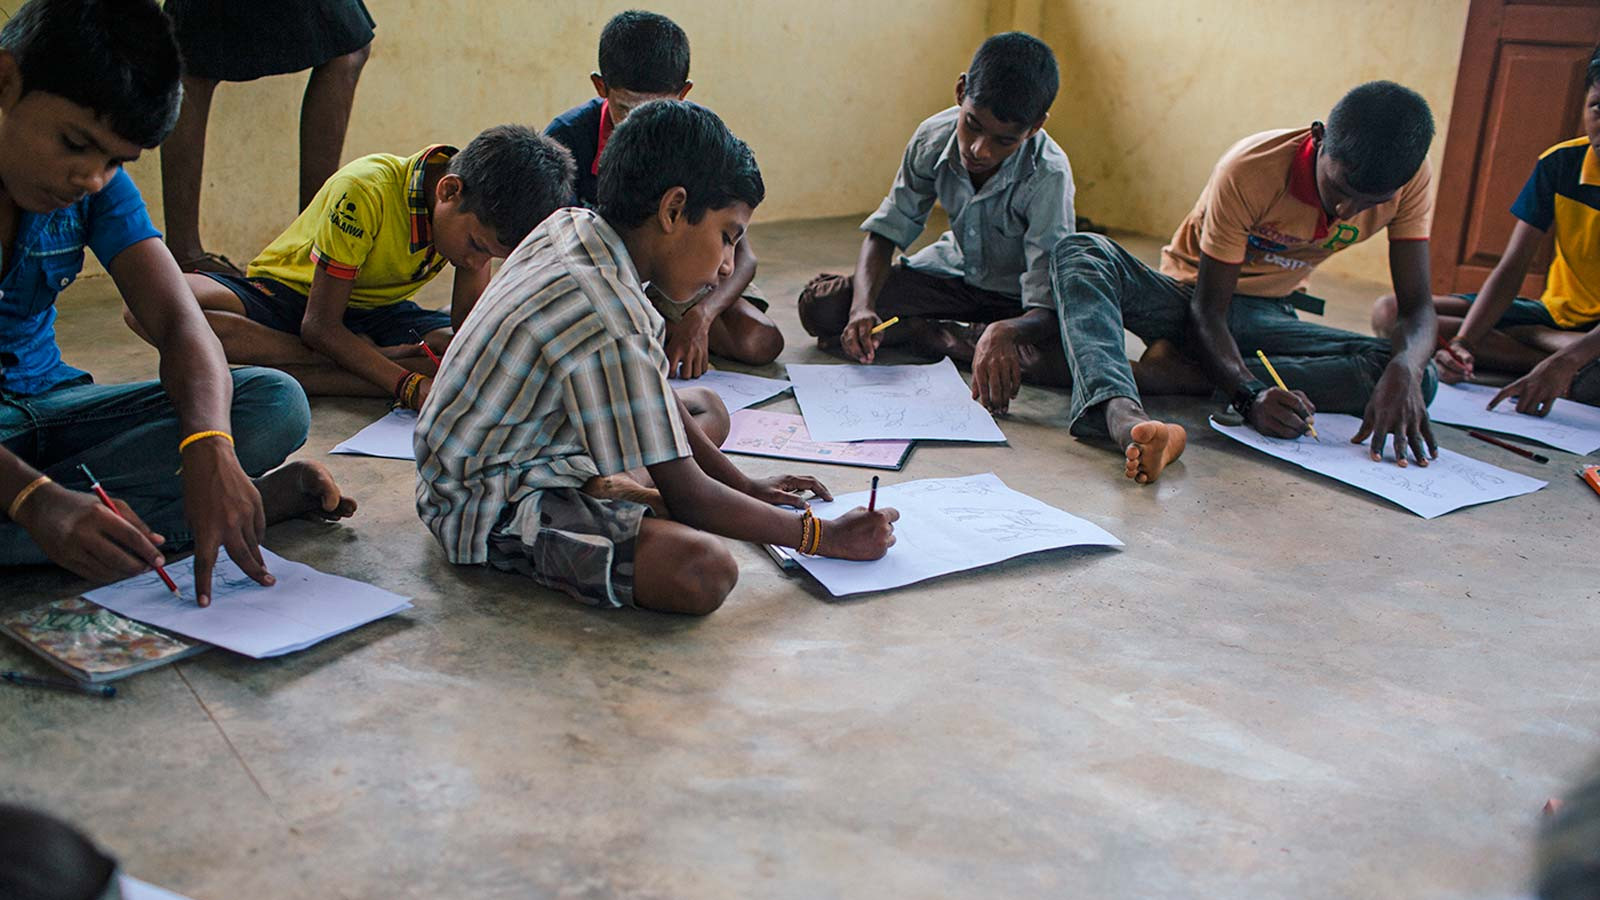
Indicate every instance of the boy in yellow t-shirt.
{"type": "Point", "coordinates": [329, 301]}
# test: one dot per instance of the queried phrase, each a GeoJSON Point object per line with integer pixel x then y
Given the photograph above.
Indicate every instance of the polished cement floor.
{"type": "Point", "coordinates": [1280, 688]}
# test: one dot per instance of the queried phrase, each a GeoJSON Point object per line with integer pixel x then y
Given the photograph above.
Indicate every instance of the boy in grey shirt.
{"type": "Point", "coordinates": [982, 292]}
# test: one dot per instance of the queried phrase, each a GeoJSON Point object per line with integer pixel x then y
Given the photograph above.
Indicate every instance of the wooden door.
{"type": "Point", "coordinates": [1518, 91]}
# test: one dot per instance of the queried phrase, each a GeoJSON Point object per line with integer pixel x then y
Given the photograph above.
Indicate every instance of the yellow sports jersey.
{"type": "Point", "coordinates": [369, 225]}
{"type": "Point", "coordinates": [1564, 193]}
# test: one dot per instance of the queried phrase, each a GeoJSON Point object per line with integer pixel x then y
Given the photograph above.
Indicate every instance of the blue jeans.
{"type": "Point", "coordinates": [1102, 289]}
{"type": "Point", "coordinates": [128, 435]}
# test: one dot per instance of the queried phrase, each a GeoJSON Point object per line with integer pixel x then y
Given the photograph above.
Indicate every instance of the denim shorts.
{"type": "Point", "coordinates": [282, 308]}
{"type": "Point", "coordinates": [1522, 312]}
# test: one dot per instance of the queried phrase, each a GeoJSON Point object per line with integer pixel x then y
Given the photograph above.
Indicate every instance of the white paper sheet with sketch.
{"type": "Point", "coordinates": [950, 525]}
{"type": "Point", "coordinates": [737, 389]}
{"type": "Point", "coordinates": [389, 437]}
{"type": "Point", "coordinates": [1448, 483]}
{"type": "Point", "coordinates": [1570, 426]}
{"type": "Point", "coordinates": [134, 889]}
{"type": "Point", "coordinates": [760, 432]}
{"type": "Point", "coordinates": [865, 403]}
{"type": "Point", "coordinates": [305, 607]}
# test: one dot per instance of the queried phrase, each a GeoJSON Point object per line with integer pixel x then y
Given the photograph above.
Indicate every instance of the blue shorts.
{"type": "Point", "coordinates": [1523, 312]}
{"type": "Point", "coordinates": [282, 308]}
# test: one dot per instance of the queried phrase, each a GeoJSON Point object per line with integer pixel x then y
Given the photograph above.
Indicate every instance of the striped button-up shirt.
{"type": "Point", "coordinates": [557, 376]}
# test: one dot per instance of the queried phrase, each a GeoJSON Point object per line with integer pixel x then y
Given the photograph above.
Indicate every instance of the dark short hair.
{"type": "Point", "coordinates": [118, 58]}
{"type": "Point", "coordinates": [645, 52]}
{"type": "Point", "coordinates": [674, 143]}
{"type": "Point", "coordinates": [1593, 76]}
{"type": "Point", "coordinates": [1014, 76]}
{"type": "Point", "coordinates": [1380, 131]}
{"type": "Point", "coordinates": [513, 178]}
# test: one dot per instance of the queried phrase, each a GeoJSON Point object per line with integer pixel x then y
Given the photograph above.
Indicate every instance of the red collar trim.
{"type": "Point", "coordinates": [1303, 183]}
{"type": "Point", "coordinates": [606, 127]}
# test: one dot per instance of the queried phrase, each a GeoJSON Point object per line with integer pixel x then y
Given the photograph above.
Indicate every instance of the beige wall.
{"type": "Point", "coordinates": [826, 93]}
{"type": "Point", "coordinates": [1154, 90]}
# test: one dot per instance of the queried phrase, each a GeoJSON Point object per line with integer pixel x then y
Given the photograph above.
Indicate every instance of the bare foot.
{"type": "Point", "coordinates": [1163, 369]}
{"type": "Point", "coordinates": [624, 487]}
{"type": "Point", "coordinates": [1153, 446]}
{"type": "Point", "coordinates": [303, 488]}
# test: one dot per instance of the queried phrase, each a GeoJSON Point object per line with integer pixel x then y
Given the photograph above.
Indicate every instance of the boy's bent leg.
{"type": "Point", "coordinates": [708, 411]}
{"type": "Point", "coordinates": [1101, 291]}
{"type": "Point", "coordinates": [1337, 369]}
{"type": "Point", "coordinates": [611, 554]}
{"type": "Point", "coordinates": [745, 334]}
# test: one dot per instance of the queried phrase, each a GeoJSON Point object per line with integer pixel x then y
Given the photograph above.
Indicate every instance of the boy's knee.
{"type": "Point", "coordinates": [763, 345]}
{"type": "Point", "coordinates": [1082, 244]}
{"type": "Point", "coordinates": [709, 411]}
{"type": "Point", "coordinates": [1384, 312]}
{"type": "Point", "coordinates": [271, 417]}
{"type": "Point", "coordinates": [704, 576]}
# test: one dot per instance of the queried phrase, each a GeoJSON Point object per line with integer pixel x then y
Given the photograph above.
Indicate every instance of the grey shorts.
{"type": "Point", "coordinates": [565, 539]}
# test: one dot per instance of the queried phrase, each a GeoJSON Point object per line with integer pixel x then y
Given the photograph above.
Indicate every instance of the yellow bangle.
{"type": "Point", "coordinates": [24, 494]}
{"type": "Point", "coordinates": [816, 538]}
{"type": "Point", "coordinates": [202, 435]}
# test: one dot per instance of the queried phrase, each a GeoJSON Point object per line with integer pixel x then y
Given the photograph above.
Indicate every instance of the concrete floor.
{"type": "Point", "coordinates": [1281, 688]}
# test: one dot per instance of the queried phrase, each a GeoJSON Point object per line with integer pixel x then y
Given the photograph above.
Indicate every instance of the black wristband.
{"type": "Point", "coordinates": [1244, 398]}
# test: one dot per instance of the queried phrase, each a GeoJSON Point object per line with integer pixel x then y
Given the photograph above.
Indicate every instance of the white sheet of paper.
{"type": "Point", "coordinates": [388, 437]}
{"type": "Point", "coordinates": [1570, 426]}
{"type": "Point", "coordinates": [305, 607]}
{"type": "Point", "coordinates": [949, 525]}
{"type": "Point", "coordinates": [1445, 484]}
{"type": "Point", "coordinates": [866, 403]}
{"type": "Point", "coordinates": [134, 889]}
{"type": "Point", "coordinates": [737, 389]}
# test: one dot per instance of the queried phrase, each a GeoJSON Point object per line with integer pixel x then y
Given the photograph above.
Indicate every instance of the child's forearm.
{"type": "Point", "coordinates": [1499, 290]}
{"type": "Point", "coordinates": [703, 503]}
{"type": "Point", "coordinates": [353, 354]}
{"type": "Point", "coordinates": [709, 457]}
{"type": "Point", "coordinates": [467, 287]}
{"type": "Point", "coordinates": [872, 270]}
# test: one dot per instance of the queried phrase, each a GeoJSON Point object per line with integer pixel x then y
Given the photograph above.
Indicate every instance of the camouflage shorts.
{"type": "Point", "coordinates": [565, 539]}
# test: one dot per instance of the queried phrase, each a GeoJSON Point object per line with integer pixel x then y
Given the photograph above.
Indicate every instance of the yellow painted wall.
{"type": "Point", "coordinates": [826, 92]}
{"type": "Point", "coordinates": [1155, 90]}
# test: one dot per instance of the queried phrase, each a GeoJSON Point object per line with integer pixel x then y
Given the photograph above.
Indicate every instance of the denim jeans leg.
{"type": "Point", "coordinates": [128, 436]}
{"type": "Point", "coordinates": [1101, 290]}
{"type": "Point", "coordinates": [1337, 369]}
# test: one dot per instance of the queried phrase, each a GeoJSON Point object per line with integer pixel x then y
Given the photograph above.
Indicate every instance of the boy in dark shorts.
{"type": "Point", "coordinates": [329, 301]}
{"type": "Point", "coordinates": [1551, 342]}
{"type": "Point", "coordinates": [981, 293]}
{"type": "Point", "coordinates": [645, 56]}
{"type": "Point", "coordinates": [559, 378]}
{"type": "Point", "coordinates": [85, 86]}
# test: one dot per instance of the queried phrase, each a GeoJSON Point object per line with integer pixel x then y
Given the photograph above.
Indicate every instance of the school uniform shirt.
{"type": "Point", "coordinates": [584, 130]}
{"type": "Point", "coordinates": [1261, 210]}
{"type": "Point", "coordinates": [369, 225]}
{"type": "Point", "coordinates": [1564, 192]}
{"type": "Point", "coordinates": [47, 256]}
{"type": "Point", "coordinates": [557, 376]}
{"type": "Point", "coordinates": [1000, 237]}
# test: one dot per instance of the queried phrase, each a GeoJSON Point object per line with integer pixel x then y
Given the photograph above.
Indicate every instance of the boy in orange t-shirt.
{"type": "Point", "coordinates": [1277, 204]}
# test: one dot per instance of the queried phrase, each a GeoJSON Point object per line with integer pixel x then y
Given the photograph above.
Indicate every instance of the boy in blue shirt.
{"type": "Point", "coordinates": [85, 85]}
{"type": "Point", "coordinates": [644, 56]}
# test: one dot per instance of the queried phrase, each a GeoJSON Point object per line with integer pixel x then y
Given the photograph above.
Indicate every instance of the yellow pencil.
{"type": "Point", "coordinates": [1310, 429]}
{"type": "Point", "coordinates": [882, 325]}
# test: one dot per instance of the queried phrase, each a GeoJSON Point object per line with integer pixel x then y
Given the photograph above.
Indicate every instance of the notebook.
{"type": "Point", "coordinates": [92, 643]}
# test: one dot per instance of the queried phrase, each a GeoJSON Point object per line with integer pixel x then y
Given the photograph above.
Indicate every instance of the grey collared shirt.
{"type": "Point", "coordinates": [1001, 237]}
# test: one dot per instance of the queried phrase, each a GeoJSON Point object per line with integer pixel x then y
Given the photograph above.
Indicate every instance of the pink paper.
{"type": "Point", "coordinates": [783, 435]}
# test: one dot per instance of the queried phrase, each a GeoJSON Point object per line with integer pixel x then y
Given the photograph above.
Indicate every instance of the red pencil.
{"type": "Point", "coordinates": [94, 484]}
{"type": "Point", "coordinates": [1445, 346]}
{"type": "Point", "coordinates": [425, 348]}
{"type": "Point", "coordinates": [872, 501]}
{"type": "Point", "coordinates": [1504, 445]}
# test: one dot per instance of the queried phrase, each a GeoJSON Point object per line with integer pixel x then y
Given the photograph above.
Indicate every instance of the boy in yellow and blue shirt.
{"type": "Point", "coordinates": [329, 301]}
{"type": "Point", "coordinates": [1550, 342]}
